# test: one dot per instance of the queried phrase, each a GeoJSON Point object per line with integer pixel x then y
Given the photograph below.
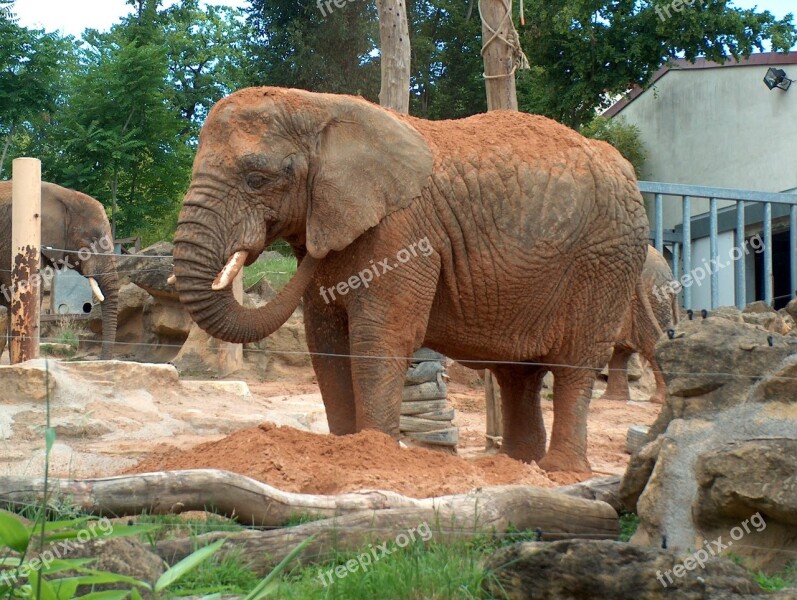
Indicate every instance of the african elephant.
{"type": "Point", "coordinates": [70, 221]}
{"type": "Point", "coordinates": [535, 235]}
{"type": "Point", "coordinates": [656, 277]}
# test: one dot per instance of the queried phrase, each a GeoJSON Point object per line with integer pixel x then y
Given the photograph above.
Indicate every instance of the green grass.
{"type": "Point", "coordinates": [225, 575]}
{"type": "Point", "coordinates": [628, 525]}
{"type": "Point", "coordinates": [772, 583]}
{"type": "Point", "coordinates": [278, 271]}
{"type": "Point", "coordinates": [425, 571]}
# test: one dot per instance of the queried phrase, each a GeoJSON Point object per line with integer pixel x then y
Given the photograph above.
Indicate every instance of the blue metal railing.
{"type": "Point", "coordinates": [682, 244]}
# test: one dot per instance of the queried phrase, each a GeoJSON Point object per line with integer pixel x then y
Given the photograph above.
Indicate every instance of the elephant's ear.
{"type": "Point", "coordinates": [368, 164]}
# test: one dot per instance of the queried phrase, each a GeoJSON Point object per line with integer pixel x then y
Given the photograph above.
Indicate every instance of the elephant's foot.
{"type": "Point", "coordinates": [616, 395]}
{"type": "Point", "coordinates": [557, 460]}
{"type": "Point", "coordinates": [527, 453]}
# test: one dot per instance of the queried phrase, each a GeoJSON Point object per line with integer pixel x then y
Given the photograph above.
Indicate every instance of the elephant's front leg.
{"type": "Point", "coordinates": [327, 329]}
{"type": "Point", "coordinates": [380, 357]}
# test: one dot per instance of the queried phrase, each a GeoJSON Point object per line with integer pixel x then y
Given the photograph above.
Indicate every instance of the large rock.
{"type": "Point", "coordinates": [170, 319]}
{"type": "Point", "coordinates": [732, 397]}
{"type": "Point", "coordinates": [205, 356]}
{"type": "Point", "coordinates": [791, 309]}
{"type": "Point", "coordinates": [24, 382]}
{"type": "Point", "coordinates": [609, 570]}
{"type": "Point", "coordinates": [125, 556]}
{"type": "Point", "coordinates": [150, 269]}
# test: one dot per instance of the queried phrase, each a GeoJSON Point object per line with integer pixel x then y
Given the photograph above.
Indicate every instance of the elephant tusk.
{"type": "Point", "coordinates": [95, 288]}
{"type": "Point", "coordinates": [230, 270]}
{"type": "Point", "coordinates": [172, 279]}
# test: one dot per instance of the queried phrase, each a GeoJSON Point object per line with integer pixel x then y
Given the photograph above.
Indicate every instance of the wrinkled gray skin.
{"type": "Point", "coordinates": [70, 221]}
{"type": "Point", "coordinates": [656, 275]}
{"type": "Point", "coordinates": [537, 239]}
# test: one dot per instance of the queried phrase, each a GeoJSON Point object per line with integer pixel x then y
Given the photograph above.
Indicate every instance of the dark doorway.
{"type": "Point", "coordinates": [781, 263]}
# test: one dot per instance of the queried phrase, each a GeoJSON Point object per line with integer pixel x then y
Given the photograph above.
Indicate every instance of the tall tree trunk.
{"type": "Point", "coordinates": [394, 38]}
{"type": "Point", "coordinates": [501, 52]}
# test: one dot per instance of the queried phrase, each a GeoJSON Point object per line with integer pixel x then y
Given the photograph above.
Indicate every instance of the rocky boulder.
{"type": "Point", "coordinates": [732, 397]}
{"type": "Point", "coordinates": [610, 570]}
{"type": "Point", "coordinates": [150, 268]}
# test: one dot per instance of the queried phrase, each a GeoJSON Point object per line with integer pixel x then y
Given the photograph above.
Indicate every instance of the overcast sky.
{"type": "Point", "coordinates": [73, 16]}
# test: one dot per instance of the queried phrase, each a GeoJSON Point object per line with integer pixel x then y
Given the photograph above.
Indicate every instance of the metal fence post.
{"type": "Point", "coordinates": [768, 293]}
{"type": "Point", "coordinates": [713, 254]}
{"type": "Point", "coordinates": [687, 250]}
{"type": "Point", "coordinates": [740, 284]}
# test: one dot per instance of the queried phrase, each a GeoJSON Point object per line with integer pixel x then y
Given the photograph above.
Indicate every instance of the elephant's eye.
{"type": "Point", "coordinates": [256, 180]}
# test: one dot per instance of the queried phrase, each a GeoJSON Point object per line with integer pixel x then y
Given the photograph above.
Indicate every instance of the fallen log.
{"type": "Point", "coordinates": [489, 511]}
{"type": "Point", "coordinates": [172, 492]}
{"type": "Point", "coordinates": [350, 520]}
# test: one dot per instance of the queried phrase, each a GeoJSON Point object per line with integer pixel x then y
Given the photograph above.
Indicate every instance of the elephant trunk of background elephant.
{"type": "Point", "coordinates": [103, 269]}
{"type": "Point", "coordinates": [109, 284]}
{"type": "Point", "coordinates": [198, 263]}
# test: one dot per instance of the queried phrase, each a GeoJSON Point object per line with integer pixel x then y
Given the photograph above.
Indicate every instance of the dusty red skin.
{"type": "Point", "coordinates": [538, 237]}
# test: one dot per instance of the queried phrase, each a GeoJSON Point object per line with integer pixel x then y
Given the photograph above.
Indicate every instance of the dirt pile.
{"type": "Point", "coordinates": [298, 461]}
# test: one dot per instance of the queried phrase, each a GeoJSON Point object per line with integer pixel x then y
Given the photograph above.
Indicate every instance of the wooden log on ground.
{"type": "Point", "coordinates": [254, 503]}
{"type": "Point", "coordinates": [446, 519]}
{"type": "Point", "coordinates": [173, 492]}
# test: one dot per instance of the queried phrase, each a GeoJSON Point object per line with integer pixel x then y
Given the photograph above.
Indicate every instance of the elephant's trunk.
{"type": "Point", "coordinates": [109, 284]}
{"type": "Point", "coordinates": [198, 261]}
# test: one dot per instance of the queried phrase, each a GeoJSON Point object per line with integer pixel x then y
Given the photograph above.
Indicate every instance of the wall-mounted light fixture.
{"type": "Point", "coordinates": [776, 78]}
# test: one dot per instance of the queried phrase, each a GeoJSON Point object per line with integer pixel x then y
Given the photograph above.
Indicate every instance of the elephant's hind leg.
{"type": "Point", "coordinates": [524, 430]}
{"type": "Point", "coordinates": [617, 385]}
{"type": "Point", "coordinates": [328, 341]}
{"type": "Point", "coordinates": [572, 391]}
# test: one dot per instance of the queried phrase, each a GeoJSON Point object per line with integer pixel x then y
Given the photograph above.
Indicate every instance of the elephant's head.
{"type": "Point", "coordinates": [76, 222]}
{"type": "Point", "coordinates": [315, 169]}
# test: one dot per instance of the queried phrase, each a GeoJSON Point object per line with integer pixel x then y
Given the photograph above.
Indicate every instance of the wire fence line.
{"type": "Point", "coordinates": [411, 358]}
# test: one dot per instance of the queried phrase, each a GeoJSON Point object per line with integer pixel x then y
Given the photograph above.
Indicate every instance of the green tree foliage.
{"type": "Point", "coordinates": [315, 46]}
{"type": "Point", "coordinates": [30, 67]}
{"type": "Point", "coordinates": [623, 136]}
{"type": "Point", "coordinates": [447, 66]}
{"type": "Point", "coordinates": [123, 120]}
{"type": "Point", "coordinates": [585, 52]}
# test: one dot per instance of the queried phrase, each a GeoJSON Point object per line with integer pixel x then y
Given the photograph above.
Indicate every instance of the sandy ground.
{"type": "Point", "coordinates": [112, 421]}
{"type": "Point", "coordinates": [306, 462]}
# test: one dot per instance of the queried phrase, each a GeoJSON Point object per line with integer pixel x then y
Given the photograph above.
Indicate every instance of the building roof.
{"type": "Point", "coordinates": [754, 60]}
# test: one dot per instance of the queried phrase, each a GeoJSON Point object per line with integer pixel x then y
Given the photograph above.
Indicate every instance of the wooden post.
{"type": "Point", "coordinates": [501, 52]}
{"type": "Point", "coordinates": [394, 39]}
{"type": "Point", "coordinates": [26, 201]}
{"type": "Point", "coordinates": [495, 424]}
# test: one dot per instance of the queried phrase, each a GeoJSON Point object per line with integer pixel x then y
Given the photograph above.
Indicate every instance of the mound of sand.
{"type": "Point", "coordinates": [299, 461]}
